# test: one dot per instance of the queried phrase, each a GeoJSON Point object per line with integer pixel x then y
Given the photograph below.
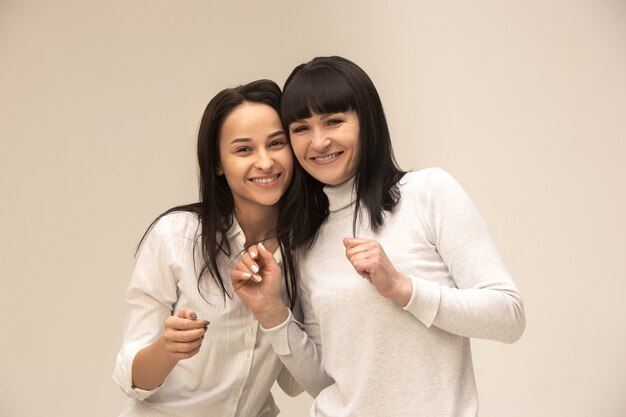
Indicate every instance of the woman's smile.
{"type": "Point", "coordinates": [327, 145]}
{"type": "Point", "coordinates": [322, 160]}
{"type": "Point", "coordinates": [266, 180]}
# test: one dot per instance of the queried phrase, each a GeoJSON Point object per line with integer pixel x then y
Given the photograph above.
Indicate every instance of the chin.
{"type": "Point", "coordinates": [333, 181]}
{"type": "Point", "coordinates": [330, 178]}
{"type": "Point", "coordinates": [268, 201]}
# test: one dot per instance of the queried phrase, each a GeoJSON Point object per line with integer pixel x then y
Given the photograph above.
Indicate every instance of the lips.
{"type": "Point", "coordinates": [326, 158]}
{"type": "Point", "coordinates": [265, 180]}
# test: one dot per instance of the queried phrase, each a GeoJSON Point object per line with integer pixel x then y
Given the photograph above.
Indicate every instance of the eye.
{"type": "Point", "coordinates": [334, 122]}
{"type": "Point", "coordinates": [242, 149]}
{"type": "Point", "coordinates": [299, 129]}
{"type": "Point", "coordinates": [278, 143]}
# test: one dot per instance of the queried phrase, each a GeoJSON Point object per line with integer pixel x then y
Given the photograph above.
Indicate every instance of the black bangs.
{"type": "Point", "coordinates": [317, 89]}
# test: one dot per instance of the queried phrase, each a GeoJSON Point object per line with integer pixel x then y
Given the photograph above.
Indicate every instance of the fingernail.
{"type": "Point", "coordinates": [257, 278]}
{"type": "Point", "coordinates": [193, 316]}
{"type": "Point", "coordinates": [206, 323]}
{"type": "Point", "coordinates": [246, 275]}
{"type": "Point", "coordinates": [262, 246]}
{"type": "Point", "coordinates": [253, 255]}
{"type": "Point", "coordinates": [254, 268]}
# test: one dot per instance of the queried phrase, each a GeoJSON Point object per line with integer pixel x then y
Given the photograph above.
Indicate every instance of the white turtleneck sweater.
{"type": "Point", "coordinates": [367, 356]}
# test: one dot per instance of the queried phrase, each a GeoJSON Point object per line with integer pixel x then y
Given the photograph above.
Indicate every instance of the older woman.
{"type": "Point", "coordinates": [397, 270]}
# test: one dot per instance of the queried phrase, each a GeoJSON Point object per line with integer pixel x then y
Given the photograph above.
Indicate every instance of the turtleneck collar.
{"type": "Point", "coordinates": [341, 196]}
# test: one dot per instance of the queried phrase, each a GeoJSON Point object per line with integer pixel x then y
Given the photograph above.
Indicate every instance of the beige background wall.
{"type": "Point", "coordinates": [523, 102]}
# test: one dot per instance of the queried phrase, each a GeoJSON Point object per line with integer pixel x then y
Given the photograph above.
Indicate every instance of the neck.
{"type": "Point", "coordinates": [258, 223]}
{"type": "Point", "coordinates": [341, 196]}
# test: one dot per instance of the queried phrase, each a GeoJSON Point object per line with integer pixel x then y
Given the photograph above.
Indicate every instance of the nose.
{"type": "Point", "coordinates": [264, 161]}
{"type": "Point", "coordinates": [320, 141]}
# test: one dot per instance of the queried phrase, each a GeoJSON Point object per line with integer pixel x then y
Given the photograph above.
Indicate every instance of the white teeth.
{"type": "Point", "coordinates": [326, 158]}
{"type": "Point", "coordinates": [265, 180]}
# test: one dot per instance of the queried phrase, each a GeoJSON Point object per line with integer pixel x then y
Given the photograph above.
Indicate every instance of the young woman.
{"type": "Point", "coordinates": [190, 348]}
{"type": "Point", "coordinates": [397, 270]}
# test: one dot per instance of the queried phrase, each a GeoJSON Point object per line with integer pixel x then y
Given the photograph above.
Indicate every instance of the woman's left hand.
{"type": "Point", "coordinates": [371, 262]}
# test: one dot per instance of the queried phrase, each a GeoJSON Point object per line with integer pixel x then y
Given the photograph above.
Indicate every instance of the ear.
{"type": "Point", "coordinates": [219, 171]}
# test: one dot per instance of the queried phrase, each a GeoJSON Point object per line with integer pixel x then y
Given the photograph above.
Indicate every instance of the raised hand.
{"type": "Point", "coordinates": [371, 262]}
{"type": "Point", "coordinates": [257, 280]}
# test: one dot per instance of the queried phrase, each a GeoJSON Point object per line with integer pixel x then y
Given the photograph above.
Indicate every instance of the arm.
{"type": "Point", "coordinates": [485, 302]}
{"type": "Point", "coordinates": [288, 383]}
{"type": "Point", "coordinates": [261, 293]}
{"type": "Point", "coordinates": [298, 347]}
{"type": "Point", "coordinates": [144, 361]}
{"type": "Point", "coordinates": [181, 339]}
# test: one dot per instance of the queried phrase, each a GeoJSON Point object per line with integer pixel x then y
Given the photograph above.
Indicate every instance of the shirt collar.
{"type": "Point", "coordinates": [234, 230]}
{"type": "Point", "coordinates": [235, 234]}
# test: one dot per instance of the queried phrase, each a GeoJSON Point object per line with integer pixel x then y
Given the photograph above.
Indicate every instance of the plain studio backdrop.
{"type": "Point", "coordinates": [523, 102]}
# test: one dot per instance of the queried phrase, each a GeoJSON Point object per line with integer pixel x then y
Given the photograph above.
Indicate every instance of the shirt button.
{"type": "Point", "coordinates": [248, 355]}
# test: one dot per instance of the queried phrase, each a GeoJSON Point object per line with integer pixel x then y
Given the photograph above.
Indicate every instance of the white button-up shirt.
{"type": "Point", "coordinates": [235, 368]}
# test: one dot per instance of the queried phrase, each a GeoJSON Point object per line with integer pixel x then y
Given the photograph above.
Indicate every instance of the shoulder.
{"type": "Point", "coordinates": [427, 181]}
{"type": "Point", "coordinates": [177, 225]}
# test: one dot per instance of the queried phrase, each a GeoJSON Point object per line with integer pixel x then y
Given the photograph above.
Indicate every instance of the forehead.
{"type": "Point", "coordinates": [250, 120]}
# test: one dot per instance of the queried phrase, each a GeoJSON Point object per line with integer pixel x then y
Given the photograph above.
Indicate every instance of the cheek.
{"type": "Point", "coordinates": [299, 149]}
{"type": "Point", "coordinates": [230, 168]}
{"type": "Point", "coordinates": [356, 146]}
{"type": "Point", "coordinates": [286, 160]}
{"type": "Point", "coordinates": [222, 162]}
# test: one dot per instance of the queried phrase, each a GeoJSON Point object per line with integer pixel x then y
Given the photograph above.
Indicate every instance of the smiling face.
{"type": "Point", "coordinates": [255, 156]}
{"type": "Point", "coordinates": [327, 145]}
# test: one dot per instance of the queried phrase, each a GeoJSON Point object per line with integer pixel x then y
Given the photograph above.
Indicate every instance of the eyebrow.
{"type": "Point", "coordinates": [239, 140]}
{"type": "Point", "coordinates": [277, 133]}
{"type": "Point", "coordinates": [322, 116]}
{"type": "Point", "coordinates": [327, 115]}
{"type": "Point", "coordinates": [270, 136]}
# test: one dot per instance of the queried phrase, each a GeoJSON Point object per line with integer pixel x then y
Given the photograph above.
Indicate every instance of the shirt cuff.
{"type": "Point", "coordinates": [123, 374]}
{"type": "Point", "coordinates": [424, 302]}
{"type": "Point", "coordinates": [279, 335]}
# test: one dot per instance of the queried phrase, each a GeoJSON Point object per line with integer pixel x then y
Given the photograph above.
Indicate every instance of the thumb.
{"type": "Point", "coordinates": [187, 313]}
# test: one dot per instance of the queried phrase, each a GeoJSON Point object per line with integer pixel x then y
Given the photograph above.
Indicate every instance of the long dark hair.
{"type": "Point", "coordinates": [216, 207]}
{"type": "Point", "coordinates": [330, 85]}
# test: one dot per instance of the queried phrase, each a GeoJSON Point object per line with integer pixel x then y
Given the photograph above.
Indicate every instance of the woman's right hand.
{"type": "Point", "coordinates": [257, 281]}
{"type": "Point", "coordinates": [181, 339]}
{"type": "Point", "coordinates": [183, 334]}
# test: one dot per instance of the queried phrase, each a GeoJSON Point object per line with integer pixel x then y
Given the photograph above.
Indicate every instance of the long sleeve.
{"type": "Point", "coordinates": [151, 295]}
{"type": "Point", "coordinates": [485, 303]}
{"type": "Point", "coordinates": [285, 380]}
{"type": "Point", "coordinates": [298, 347]}
{"type": "Point", "coordinates": [288, 383]}
{"type": "Point", "coordinates": [235, 368]}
